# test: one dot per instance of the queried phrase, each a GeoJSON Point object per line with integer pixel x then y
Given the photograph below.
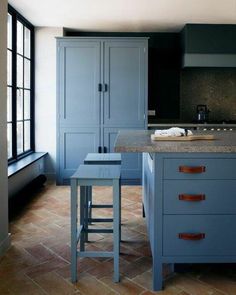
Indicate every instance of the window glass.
{"type": "Point", "coordinates": [9, 31]}
{"type": "Point", "coordinates": [9, 140]}
{"type": "Point", "coordinates": [27, 73]}
{"type": "Point", "coordinates": [19, 136]}
{"type": "Point", "coordinates": [27, 43]}
{"type": "Point", "coordinates": [9, 67]}
{"type": "Point", "coordinates": [20, 30]}
{"type": "Point", "coordinates": [19, 105]}
{"type": "Point", "coordinates": [26, 104]}
{"type": "Point", "coordinates": [27, 135]}
{"type": "Point", "coordinates": [9, 104]}
{"type": "Point", "coordinates": [19, 71]}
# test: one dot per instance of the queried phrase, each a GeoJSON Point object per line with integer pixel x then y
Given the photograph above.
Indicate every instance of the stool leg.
{"type": "Point", "coordinates": [116, 228]}
{"type": "Point", "coordinates": [90, 192]}
{"type": "Point", "coordinates": [86, 213]}
{"type": "Point", "coordinates": [120, 210]}
{"type": "Point", "coordinates": [82, 221]}
{"type": "Point", "coordinates": [74, 216]}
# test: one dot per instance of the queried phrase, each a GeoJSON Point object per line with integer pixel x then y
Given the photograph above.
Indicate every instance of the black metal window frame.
{"type": "Point", "coordinates": [16, 16]}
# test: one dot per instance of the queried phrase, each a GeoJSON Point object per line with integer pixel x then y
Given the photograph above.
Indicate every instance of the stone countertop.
{"type": "Point", "coordinates": [140, 141]}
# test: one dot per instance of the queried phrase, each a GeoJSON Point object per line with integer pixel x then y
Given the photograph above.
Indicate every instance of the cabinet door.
{"type": "Point", "coordinates": [131, 166]}
{"type": "Point", "coordinates": [75, 143]}
{"type": "Point", "coordinates": [78, 79]}
{"type": "Point", "coordinates": [125, 74]}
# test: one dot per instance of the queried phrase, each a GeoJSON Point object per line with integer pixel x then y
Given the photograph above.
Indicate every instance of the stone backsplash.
{"type": "Point", "coordinates": [215, 87]}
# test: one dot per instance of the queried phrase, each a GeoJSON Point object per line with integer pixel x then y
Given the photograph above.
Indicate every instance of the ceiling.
{"type": "Point", "coordinates": [126, 15]}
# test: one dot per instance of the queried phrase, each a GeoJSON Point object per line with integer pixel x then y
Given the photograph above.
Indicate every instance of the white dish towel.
{"type": "Point", "coordinates": [174, 131]}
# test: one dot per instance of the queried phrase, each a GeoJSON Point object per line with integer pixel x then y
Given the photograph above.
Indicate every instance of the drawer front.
{"type": "Point", "coordinates": [199, 197]}
{"type": "Point", "coordinates": [200, 168]}
{"type": "Point", "coordinates": [201, 235]}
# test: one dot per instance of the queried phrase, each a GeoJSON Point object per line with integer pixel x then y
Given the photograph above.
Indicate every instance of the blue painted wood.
{"type": "Point", "coordinates": [219, 200]}
{"type": "Point", "coordinates": [87, 176]}
{"type": "Point", "coordinates": [79, 76]}
{"type": "Point", "coordinates": [73, 208]}
{"type": "Point", "coordinates": [83, 64]}
{"type": "Point", "coordinates": [125, 72]}
{"type": "Point", "coordinates": [74, 145]}
{"type": "Point", "coordinates": [166, 217]}
{"type": "Point", "coordinates": [108, 158]}
{"type": "Point", "coordinates": [131, 167]}
{"type": "Point", "coordinates": [216, 168]}
{"type": "Point", "coordinates": [219, 239]}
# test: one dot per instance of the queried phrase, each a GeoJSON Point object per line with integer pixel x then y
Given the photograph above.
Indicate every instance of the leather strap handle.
{"type": "Point", "coordinates": [192, 236]}
{"type": "Point", "coordinates": [192, 169]}
{"type": "Point", "coordinates": [192, 198]}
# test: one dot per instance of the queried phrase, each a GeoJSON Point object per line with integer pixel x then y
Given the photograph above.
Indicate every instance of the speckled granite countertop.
{"type": "Point", "coordinates": [140, 141]}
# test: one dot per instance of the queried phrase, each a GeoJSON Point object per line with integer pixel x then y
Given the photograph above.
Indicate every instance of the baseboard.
{"type": "Point", "coordinates": [4, 245]}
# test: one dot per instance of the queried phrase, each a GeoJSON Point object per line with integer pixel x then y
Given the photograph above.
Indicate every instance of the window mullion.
{"type": "Point", "coordinates": [14, 88]}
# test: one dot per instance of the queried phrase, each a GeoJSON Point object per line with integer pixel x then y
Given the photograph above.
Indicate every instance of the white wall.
{"type": "Point", "coordinates": [45, 94]}
{"type": "Point", "coordinates": [4, 237]}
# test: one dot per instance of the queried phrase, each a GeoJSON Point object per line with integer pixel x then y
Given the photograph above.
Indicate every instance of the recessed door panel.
{"type": "Point", "coordinates": [78, 84]}
{"type": "Point", "coordinates": [75, 144]}
{"type": "Point", "coordinates": [125, 76]}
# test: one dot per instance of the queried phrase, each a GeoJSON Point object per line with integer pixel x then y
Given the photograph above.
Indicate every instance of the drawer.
{"type": "Point", "coordinates": [199, 197]}
{"type": "Point", "coordinates": [219, 232]}
{"type": "Point", "coordinates": [200, 168]}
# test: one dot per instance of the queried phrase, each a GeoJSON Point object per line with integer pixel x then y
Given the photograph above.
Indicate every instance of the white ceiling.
{"type": "Point", "coordinates": [126, 15]}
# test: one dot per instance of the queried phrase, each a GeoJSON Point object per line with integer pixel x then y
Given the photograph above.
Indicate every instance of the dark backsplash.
{"type": "Point", "coordinates": [215, 87]}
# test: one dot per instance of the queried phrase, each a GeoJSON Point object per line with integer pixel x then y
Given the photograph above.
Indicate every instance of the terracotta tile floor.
{"type": "Point", "coordinates": [38, 261]}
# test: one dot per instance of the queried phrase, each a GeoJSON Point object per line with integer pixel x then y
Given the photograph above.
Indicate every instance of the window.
{"type": "Point", "coordinates": [20, 86]}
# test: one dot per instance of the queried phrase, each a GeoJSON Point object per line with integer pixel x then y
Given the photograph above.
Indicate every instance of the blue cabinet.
{"type": "Point", "coordinates": [190, 201]}
{"type": "Point", "coordinates": [101, 88]}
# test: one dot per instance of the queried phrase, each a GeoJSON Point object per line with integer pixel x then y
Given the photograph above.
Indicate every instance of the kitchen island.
{"type": "Point", "coordinates": [189, 197]}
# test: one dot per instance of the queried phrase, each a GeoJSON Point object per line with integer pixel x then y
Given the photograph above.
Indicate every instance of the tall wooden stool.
{"type": "Point", "coordinates": [87, 176]}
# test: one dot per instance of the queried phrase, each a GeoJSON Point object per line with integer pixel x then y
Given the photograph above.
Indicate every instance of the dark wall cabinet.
{"type": "Point", "coordinates": [101, 88]}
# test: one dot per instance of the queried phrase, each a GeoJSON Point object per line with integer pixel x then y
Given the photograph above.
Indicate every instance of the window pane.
{"type": "Point", "coordinates": [9, 140]}
{"type": "Point", "coordinates": [9, 31]}
{"type": "Point", "coordinates": [19, 135]}
{"type": "Point", "coordinates": [26, 104]}
{"type": "Point", "coordinates": [19, 106]}
{"type": "Point", "coordinates": [9, 67]}
{"type": "Point", "coordinates": [20, 29]}
{"type": "Point", "coordinates": [27, 135]}
{"type": "Point", "coordinates": [19, 71]}
{"type": "Point", "coordinates": [27, 43]}
{"type": "Point", "coordinates": [9, 104]}
{"type": "Point", "coordinates": [27, 74]}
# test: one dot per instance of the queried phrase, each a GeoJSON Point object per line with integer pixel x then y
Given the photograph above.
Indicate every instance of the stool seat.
{"type": "Point", "coordinates": [103, 158]}
{"type": "Point", "coordinates": [97, 172]}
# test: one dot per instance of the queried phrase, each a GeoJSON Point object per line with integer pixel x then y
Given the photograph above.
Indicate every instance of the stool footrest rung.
{"type": "Point", "coordinates": [100, 206]}
{"type": "Point", "coordinates": [100, 230]}
{"type": "Point", "coordinates": [95, 254]}
{"type": "Point", "coordinates": [100, 220]}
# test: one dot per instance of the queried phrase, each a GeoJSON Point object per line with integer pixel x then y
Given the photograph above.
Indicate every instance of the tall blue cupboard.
{"type": "Point", "coordinates": [101, 89]}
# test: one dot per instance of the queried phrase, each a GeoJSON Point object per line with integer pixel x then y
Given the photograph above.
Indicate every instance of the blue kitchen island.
{"type": "Point", "coordinates": [189, 197]}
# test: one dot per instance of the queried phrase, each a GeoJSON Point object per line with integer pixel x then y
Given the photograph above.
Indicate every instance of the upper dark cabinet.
{"type": "Point", "coordinates": [209, 45]}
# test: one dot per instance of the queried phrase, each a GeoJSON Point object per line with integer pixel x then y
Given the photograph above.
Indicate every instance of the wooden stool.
{"type": "Point", "coordinates": [99, 159]}
{"type": "Point", "coordinates": [87, 176]}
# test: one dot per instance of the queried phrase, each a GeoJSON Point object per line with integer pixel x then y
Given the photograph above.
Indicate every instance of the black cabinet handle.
{"type": "Point", "coordinates": [105, 87]}
{"type": "Point", "coordinates": [99, 149]}
{"type": "Point", "coordinates": [105, 149]}
{"type": "Point", "coordinates": [100, 87]}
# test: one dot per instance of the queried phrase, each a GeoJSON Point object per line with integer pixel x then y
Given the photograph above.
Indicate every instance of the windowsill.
{"type": "Point", "coordinates": [24, 162]}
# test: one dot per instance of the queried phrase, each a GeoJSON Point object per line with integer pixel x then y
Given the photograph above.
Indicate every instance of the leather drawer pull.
{"type": "Point", "coordinates": [188, 169]}
{"type": "Point", "coordinates": [192, 198]}
{"type": "Point", "coordinates": [191, 237]}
